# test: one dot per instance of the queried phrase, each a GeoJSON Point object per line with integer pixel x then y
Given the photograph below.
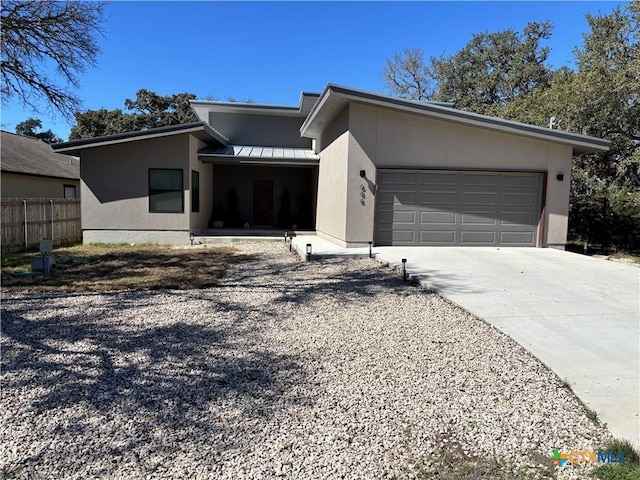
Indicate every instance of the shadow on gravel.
{"type": "Point", "coordinates": [302, 282]}
{"type": "Point", "coordinates": [132, 384]}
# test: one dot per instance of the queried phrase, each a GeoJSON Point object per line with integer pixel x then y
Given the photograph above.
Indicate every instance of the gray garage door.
{"type": "Point", "coordinates": [457, 208]}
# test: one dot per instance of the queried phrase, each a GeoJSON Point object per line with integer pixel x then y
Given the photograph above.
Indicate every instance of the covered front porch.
{"type": "Point", "coordinates": [262, 189]}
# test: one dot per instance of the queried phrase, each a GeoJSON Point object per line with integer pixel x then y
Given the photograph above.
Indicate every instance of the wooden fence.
{"type": "Point", "coordinates": [26, 221]}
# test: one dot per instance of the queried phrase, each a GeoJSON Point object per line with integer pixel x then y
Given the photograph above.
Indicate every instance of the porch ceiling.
{"type": "Point", "coordinates": [250, 154]}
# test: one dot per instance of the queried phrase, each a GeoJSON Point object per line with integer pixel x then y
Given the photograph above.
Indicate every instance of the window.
{"type": "Point", "coordinates": [165, 190]}
{"type": "Point", "coordinates": [195, 191]}
{"type": "Point", "coordinates": [70, 192]}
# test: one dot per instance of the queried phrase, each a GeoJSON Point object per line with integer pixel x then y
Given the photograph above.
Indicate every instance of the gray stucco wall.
{"type": "Point", "coordinates": [115, 185]}
{"type": "Point", "coordinates": [260, 130]}
{"type": "Point", "coordinates": [331, 214]}
{"type": "Point", "coordinates": [382, 138]}
{"type": "Point", "coordinates": [200, 220]}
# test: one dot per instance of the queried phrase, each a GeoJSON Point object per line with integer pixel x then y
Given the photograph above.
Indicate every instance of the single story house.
{"type": "Point", "coordinates": [31, 169]}
{"type": "Point", "coordinates": [352, 165]}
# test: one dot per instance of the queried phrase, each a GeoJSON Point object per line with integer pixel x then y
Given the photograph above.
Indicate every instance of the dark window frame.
{"type": "Point", "coordinates": [153, 191]}
{"type": "Point", "coordinates": [195, 191]}
{"type": "Point", "coordinates": [64, 191]}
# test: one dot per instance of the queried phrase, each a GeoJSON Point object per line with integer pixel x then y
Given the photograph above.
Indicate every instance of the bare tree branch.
{"type": "Point", "coordinates": [38, 35]}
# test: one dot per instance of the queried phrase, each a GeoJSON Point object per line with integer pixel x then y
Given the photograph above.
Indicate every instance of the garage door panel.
{"type": "Point", "coordinates": [384, 237]}
{"type": "Point", "coordinates": [385, 216]}
{"type": "Point", "coordinates": [479, 198]}
{"type": "Point", "coordinates": [518, 199]}
{"type": "Point", "coordinates": [517, 238]}
{"type": "Point", "coordinates": [404, 236]}
{"type": "Point", "coordinates": [439, 179]}
{"type": "Point", "coordinates": [518, 218]}
{"type": "Point", "coordinates": [404, 216]}
{"type": "Point", "coordinates": [437, 237]}
{"type": "Point", "coordinates": [486, 180]}
{"type": "Point", "coordinates": [478, 218]}
{"type": "Point", "coordinates": [473, 237]}
{"type": "Point", "coordinates": [437, 218]}
{"type": "Point", "coordinates": [408, 198]}
{"type": "Point", "coordinates": [397, 178]}
{"type": "Point", "coordinates": [457, 208]}
{"type": "Point", "coordinates": [438, 198]}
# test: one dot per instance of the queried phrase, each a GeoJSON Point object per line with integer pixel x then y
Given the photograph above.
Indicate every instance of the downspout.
{"type": "Point", "coordinates": [26, 238]}
{"type": "Point", "coordinates": [51, 202]}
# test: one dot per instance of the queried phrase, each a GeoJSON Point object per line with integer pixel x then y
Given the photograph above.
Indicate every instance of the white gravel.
{"type": "Point", "coordinates": [327, 369]}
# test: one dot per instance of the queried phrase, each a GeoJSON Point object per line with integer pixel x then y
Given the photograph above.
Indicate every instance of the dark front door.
{"type": "Point", "coordinates": [262, 203]}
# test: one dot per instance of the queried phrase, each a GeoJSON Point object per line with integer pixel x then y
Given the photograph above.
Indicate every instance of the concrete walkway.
{"type": "Point", "coordinates": [579, 315]}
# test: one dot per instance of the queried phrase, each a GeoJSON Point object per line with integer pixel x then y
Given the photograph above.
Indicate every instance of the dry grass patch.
{"type": "Point", "coordinates": [101, 267]}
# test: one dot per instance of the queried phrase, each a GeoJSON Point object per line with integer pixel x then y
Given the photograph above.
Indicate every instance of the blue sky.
{"type": "Point", "coordinates": [270, 52]}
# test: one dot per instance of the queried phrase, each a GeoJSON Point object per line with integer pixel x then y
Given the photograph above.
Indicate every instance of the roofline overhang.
{"type": "Point", "coordinates": [342, 96]}
{"type": "Point", "coordinates": [275, 162]}
{"type": "Point", "coordinates": [244, 108]}
{"type": "Point", "coordinates": [201, 129]}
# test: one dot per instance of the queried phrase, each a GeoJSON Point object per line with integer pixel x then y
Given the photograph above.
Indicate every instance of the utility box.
{"type": "Point", "coordinates": [43, 263]}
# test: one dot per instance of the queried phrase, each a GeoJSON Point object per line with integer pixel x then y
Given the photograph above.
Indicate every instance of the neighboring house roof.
{"type": "Point", "coordinates": [335, 98]}
{"type": "Point", "coordinates": [30, 156]}
{"type": "Point", "coordinates": [262, 155]}
{"type": "Point", "coordinates": [201, 130]}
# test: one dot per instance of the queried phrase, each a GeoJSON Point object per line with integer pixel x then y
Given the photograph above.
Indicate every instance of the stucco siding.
{"type": "Point", "coordinates": [169, 237]}
{"type": "Point", "coordinates": [115, 184]}
{"type": "Point", "coordinates": [260, 130]}
{"type": "Point", "coordinates": [557, 198]}
{"type": "Point", "coordinates": [200, 220]}
{"type": "Point", "coordinates": [331, 213]}
{"type": "Point", "coordinates": [382, 138]}
{"type": "Point", "coordinates": [29, 186]}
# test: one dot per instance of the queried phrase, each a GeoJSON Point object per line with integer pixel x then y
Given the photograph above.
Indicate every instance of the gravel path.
{"type": "Point", "coordinates": [330, 369]}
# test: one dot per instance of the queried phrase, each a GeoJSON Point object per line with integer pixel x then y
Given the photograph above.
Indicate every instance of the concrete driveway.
{"type": "Point", "coordinates": [578, 315]}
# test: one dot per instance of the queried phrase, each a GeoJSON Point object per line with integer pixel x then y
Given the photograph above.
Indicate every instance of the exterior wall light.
{"type": "Point", "coordinates": [308, 251]}
{"type": "Point", "coordinates": [560, 177]}
{"type": "Point", "coordinates": [191, 237]}
{"type": "Point", "coordinates": [363, 173]}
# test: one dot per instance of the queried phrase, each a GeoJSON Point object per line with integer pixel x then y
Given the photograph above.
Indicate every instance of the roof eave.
{"type": "Point", "coordinates": [580, 143]}
{"type": "Point", "coordinates": [76, 146]}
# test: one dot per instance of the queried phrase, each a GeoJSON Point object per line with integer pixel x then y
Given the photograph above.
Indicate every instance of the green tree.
{"type": "Point", "coordinates": [147, 110]}
{"type": "Point", "coordinates": [40, 37]}
{"type": "Point", "coordinates": [494, 69]}
{"type": "Point", "coordinates": [28, 129]}
{"type": "Point", "coordinates": [606, 186]}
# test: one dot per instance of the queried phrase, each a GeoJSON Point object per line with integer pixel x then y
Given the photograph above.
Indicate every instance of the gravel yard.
{"type": "Point", "coordinates": [328, 369]}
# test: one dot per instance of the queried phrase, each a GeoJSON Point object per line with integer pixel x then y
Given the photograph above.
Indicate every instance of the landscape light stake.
{"type": "Point", "coordinates": [370, 253]}
{"type": "Point", "coordinates": [290, 243]}
{"type": "Point", "coordinates": [308, 252]}
{"type": "Point", "coordinates": [404, 269]}
{"type": "Point", "coordinates": [191, 237]}
{"type": "Point", "coordinates": [286, 234]}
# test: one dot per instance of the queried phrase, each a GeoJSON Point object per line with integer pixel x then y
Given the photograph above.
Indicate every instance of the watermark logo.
{"type": "Point", "coordinates": [576, 457]}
